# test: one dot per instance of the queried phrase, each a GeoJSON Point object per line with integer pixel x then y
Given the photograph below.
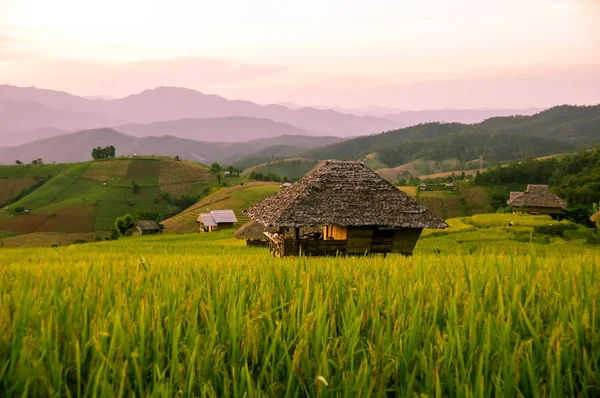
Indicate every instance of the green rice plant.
{"type": "Point", "coordinates": [204, 315]}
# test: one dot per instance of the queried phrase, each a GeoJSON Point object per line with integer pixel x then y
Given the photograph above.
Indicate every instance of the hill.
{"type": "Point", "coordinates": [560, 129]}
{"type": "Point", "coordinates": [87, 197]}
{"type": "Point", "coordinates": [174, 103]}
{"type": "Point", "coordinates": [19, 116]}
{"type": "Point", "coordinates": [228, 129]}
{"type": "Point", "coordinates": [237, 198]}
{"type": "Point", "coordinates": [77, 147]}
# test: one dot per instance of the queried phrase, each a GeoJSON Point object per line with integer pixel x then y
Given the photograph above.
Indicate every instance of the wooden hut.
{"type": "Point", "coordinates": [536, 199]}
{"type": "Point", "coordinates": [217, 219]}
{"type": "Point", "coordinates": [358, 213]}
{"type": "Point", "coordinates": [147, 227]}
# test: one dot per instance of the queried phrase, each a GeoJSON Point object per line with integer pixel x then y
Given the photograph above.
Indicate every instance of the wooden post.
{"type": "Point", "coordinates": [296, 233]}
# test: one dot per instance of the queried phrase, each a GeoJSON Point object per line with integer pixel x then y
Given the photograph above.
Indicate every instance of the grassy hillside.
{"type": "Point", "coordinates": [237, 198]}
{"type": "Point", "coordinates": [18, 180]}
{"type": "Point", "coordinates": [87, 197]}
{"type": "Point", "coordinates": [480, 309]}
{"type": "Point", "coordinates": [289, 168]}
{"type": "Point", "coordinates": [560, 129]}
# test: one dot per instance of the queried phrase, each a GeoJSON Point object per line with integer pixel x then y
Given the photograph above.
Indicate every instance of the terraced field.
{"type": "Point", "coordinates": [87, 197]}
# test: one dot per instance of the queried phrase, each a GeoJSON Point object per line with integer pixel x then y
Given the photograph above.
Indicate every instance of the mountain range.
{"type": "Point", "coordinates": [29, 113]}
{"type": "Point", "coordinates": [31, 108]}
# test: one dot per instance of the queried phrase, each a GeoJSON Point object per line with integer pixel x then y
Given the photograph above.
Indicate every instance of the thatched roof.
{"type": "Point", "coordinates": [147, 225]}
{"type": "Point", "coordinates": [536, 196]}
{"type": "Point", "coordinates": [343, 193]}
{"type": "Point", "coordinates": [253, 230]}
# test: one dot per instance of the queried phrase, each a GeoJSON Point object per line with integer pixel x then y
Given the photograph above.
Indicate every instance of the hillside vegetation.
{"type": "Point", "coordinates": [480, 309]}
{"type": "Point", "coordinates": [557, 130]}
{"type": "Point", "coordinates": [87, 197]}
{"type": "Point", "coordinates": [575, 177]}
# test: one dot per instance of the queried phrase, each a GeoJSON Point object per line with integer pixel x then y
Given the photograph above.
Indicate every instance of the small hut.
{"type": "Point", "coordinates": [536, 199]}
{"type": "Point", "coordinates": [217, 219]}
{"type": "Point", "coordinates": [146, 227]}
{"type": "Point", "coordinates": [358, 212]}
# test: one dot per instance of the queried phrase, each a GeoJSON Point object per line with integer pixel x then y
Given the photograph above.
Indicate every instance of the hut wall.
{"type": "Point", "coordinates": [359, 240]}
{"type": "Point", "coordinates": [137, 231]}
{"type": "Point", "coordinates": [405, 240]}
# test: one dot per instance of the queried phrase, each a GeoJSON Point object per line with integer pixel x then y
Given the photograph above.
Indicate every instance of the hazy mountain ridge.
{"type": "Point", "coordinates": [174, 103]}
{"type": "Point", "coordinates": [230, 129]}
{"type": "Point", "coordinates": [77, 147]}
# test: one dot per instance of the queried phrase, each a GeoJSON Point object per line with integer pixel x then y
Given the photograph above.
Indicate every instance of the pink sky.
{"type": "Point", "coordinates": [404, 54]}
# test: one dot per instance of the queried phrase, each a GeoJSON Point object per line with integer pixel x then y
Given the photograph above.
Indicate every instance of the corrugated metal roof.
{"type": "Point", "coordinates": [207, 219]}
{"type": "Point", "coordinates": [223, 216]}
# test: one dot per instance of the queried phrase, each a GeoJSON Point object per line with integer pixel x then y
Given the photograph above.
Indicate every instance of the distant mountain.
{"type": "Point", "coordinates": [77, 147]}
{"type": "Point", "coordinates": [554, 130]}
{"type": "Point", "coordinates": [229, 129]}
{"type": "Point", "coordinates": [22, 116]}
{"type": "Point", "coordinates": [468, 116]}
{"type": "Point", "coordinates": [23, 137]}
{"type": "Point", "coordinates": [173, 103]}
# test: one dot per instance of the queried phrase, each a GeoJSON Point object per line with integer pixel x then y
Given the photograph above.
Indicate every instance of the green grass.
{"type": "Point", "coordinates": [203, 315]}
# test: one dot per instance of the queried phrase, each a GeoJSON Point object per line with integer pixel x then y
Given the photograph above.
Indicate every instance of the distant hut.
{"type": "Point", "coordinates": [358, 211]}
{"type": "Point", "coordinates": [217, 219]}
{"type": "Point", "coordinates": [147, 227]}
{"type": "Point", "coordinates": [536, 199]}
{"type": "Point", "coordinates": [423, 187]}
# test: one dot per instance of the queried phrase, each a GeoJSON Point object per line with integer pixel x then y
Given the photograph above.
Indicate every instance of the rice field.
{"type": "Point", "coordinates": [203, 315]}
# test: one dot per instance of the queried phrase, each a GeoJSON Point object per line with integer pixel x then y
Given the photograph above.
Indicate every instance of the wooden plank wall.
{"type": "Point", "coordinates": [405, 240]}
{"type": "Point", "coordinates": [359, 240]}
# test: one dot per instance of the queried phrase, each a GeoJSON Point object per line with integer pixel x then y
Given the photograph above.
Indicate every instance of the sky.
{"type": "Point", "coordinates": [393, 53]}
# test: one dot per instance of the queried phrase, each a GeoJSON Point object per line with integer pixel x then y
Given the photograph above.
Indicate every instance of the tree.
{"type": "Point", "coordinates": [103, 153]}
{"type": "Point", "coordinates": [122, 225]}
{"type": "Point", "coordinates": [135, 187]}
{"type": "Point", "coordinates": [215, 167]}
{"type": "Point", "coordinates": [18, 162]}
{"type": "Point", "coordinates": [34, 161]}
{"type": "Point", "coordinates": [177, 158]}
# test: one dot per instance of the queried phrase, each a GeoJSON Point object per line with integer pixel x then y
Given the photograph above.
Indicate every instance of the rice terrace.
{"type": "Point", "coordinates": [299, 199]}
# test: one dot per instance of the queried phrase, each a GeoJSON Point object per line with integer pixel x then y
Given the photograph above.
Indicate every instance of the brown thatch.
{"type": "Point", "coordinates": [343, 193]}
{"type": "Point", "coordinates": [536, 196]}
{"type": "Point", "coordinates": [252, 230]}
